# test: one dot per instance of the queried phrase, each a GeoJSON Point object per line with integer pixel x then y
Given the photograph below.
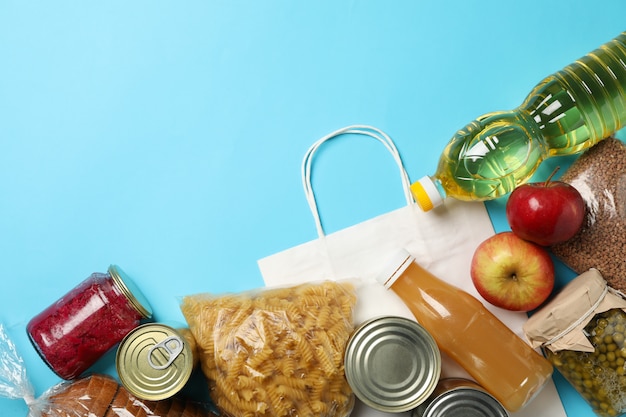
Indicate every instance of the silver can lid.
{"type": "Point", "coordinates": [392, 364]}
{"type": "Point", "coordinates": [461, 402]}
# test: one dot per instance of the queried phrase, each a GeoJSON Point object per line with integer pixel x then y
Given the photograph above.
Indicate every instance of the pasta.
{"type": "Point", "coordinates": [276, 352]}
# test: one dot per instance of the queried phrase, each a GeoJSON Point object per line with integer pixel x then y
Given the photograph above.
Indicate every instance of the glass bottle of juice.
{"type": "Point", "coordinates": [565, 113]}
{"type": "Point", "coordinates": [498, 359]}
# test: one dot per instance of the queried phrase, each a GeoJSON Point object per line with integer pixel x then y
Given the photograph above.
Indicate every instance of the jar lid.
{"type": "Point", "coordinates": [558, 325]}
{"type": "Point", "coordinates": [131, 291]}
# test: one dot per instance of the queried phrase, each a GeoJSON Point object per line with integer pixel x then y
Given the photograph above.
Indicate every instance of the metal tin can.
{"type": "Point", "coordinates": [154, 361]}
{"type": "Point", "coordinates": [392, 363]}
{"type": "Point", "coordinates": [459, 397]}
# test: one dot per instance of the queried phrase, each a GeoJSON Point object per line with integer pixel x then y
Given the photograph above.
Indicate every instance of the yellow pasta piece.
{"type": "Point", "coordinates": [295, 383]}
{"type": "Point", "coordinates": [243, 382]}
{"type": "Point", "coordinates": [287, 366]}
{"type": "Point", "coordinates": [325, 360]}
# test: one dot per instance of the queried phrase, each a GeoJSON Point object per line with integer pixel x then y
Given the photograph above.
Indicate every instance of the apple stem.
{"type": "Point", "coordinates": [551, 175]}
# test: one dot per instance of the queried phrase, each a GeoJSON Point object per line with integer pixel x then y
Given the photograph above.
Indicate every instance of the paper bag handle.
{"type": "Point", "coordinates": [370, 131]}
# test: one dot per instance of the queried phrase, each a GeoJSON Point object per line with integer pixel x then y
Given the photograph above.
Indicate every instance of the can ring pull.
{"type": "Point", "coordinates": [172, 345]}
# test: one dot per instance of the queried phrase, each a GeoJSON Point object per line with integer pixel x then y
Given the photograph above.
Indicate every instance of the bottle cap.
{"type": "Point", "coordinates": [426, 193]}
{"type": "Point", "coordinates": [395, 267]}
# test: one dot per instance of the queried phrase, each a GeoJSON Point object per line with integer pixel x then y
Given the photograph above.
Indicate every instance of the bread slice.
{"type": "Point", "coordinates": [162, 408]}
{"type": "Point", "coordinates": [117, 407]}
{"type": "Point", "coordinates": [108, 391]}
{"type": "Point", "coordinates": [62, 397]}
{"type": "Point", "coordinates": [88, 396]}
{"type": "Point", "coordinates": [130, 408]}
{"type": "Point", "coordinates": [177, 409]}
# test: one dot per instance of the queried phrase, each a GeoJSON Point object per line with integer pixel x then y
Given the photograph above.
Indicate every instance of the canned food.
{"type": "Point", "coordinates": [154, 361]}
{"type": "Point", "coordinates": [78, 329]}
{"type": "Point", "coordinates": [459, 397]}
{"type": "Point", "coordinates": [392, 364]}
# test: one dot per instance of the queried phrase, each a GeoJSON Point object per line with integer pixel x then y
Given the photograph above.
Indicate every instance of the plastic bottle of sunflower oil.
{"type": "Point", "coordinates": [566, 113]}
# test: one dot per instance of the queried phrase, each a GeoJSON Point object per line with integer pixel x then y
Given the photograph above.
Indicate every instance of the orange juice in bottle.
{"type": "Point", "coordinates": [498, 359]}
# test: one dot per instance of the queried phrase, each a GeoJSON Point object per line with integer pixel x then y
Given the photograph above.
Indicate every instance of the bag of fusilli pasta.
{"type": "Point", "coordinates": [275, 352]}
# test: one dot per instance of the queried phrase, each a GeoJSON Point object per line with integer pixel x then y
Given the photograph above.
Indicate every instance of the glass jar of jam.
{"type": "Point", "coordinates": [79, 328]}
{"type": "Point", "coordinates": [582, 332]}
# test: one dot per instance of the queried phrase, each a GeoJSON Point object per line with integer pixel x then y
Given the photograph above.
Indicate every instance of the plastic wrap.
{"type": "Point", "coordinates": [276, 352]}
{"type": "Point", "coordinates": [90, 396]}
{"type": "Point", "coordinates": [14, 381]}
{"type": "Point", "coordinates": [101, 396]}
{"type": "Point", "coordinates": [600, 177]}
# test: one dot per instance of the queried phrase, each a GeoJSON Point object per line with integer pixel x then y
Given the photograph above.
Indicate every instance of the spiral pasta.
{"type": "Point", "coordinates": [276, 352]}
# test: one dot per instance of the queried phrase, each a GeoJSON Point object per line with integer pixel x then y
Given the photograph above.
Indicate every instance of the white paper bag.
{"type": "Point", "coordinates": [442, 240]}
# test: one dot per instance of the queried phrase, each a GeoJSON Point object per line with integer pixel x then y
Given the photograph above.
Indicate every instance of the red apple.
{"type": "Point", "coordinates": [546, 213]}
{"type": "Point", "coordinates": [512, 273]}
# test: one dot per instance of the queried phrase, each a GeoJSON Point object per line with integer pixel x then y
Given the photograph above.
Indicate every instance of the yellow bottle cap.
{"type": "Point", "coordinates": [426, 193]}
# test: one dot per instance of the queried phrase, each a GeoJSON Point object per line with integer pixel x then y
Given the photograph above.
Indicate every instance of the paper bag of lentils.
{"type": "Point", "coordinates": [600, 177]}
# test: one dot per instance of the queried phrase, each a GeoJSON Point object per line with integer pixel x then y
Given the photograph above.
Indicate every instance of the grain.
{"type": "Point", "coordinates": [600, 177]}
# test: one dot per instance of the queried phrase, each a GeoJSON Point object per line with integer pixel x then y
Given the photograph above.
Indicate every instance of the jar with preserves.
{"type": "Point", "coordinates": [582, 332]}
{"type": "Point", "coordinates": [74, 332]}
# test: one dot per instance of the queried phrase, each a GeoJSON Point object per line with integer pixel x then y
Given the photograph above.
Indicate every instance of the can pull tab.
{"type": "Point", "coordinates": [172, 346]}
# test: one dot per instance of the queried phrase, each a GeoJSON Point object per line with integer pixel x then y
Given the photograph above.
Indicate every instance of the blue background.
{"type": "Point", "coordinates": [166, 137]}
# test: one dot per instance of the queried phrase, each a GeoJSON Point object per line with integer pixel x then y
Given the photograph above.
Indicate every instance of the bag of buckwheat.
{"type": "Point", "coordinates": [600, 176]}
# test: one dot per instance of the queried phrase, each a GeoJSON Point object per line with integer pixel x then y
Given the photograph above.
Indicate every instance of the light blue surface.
{"type": "Point", "coordinates": [166, 137]}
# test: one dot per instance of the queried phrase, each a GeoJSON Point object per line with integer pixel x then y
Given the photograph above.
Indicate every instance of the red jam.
{"type": "Point", "coordinates": [79, 328]}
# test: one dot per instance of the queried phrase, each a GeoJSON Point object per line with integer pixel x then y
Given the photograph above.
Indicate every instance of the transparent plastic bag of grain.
{"type": "Point", "coordinates": [599, 175]}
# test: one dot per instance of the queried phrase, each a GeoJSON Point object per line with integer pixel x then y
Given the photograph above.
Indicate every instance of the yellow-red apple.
{"type": "Point", "coordinates": [512, 273]}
